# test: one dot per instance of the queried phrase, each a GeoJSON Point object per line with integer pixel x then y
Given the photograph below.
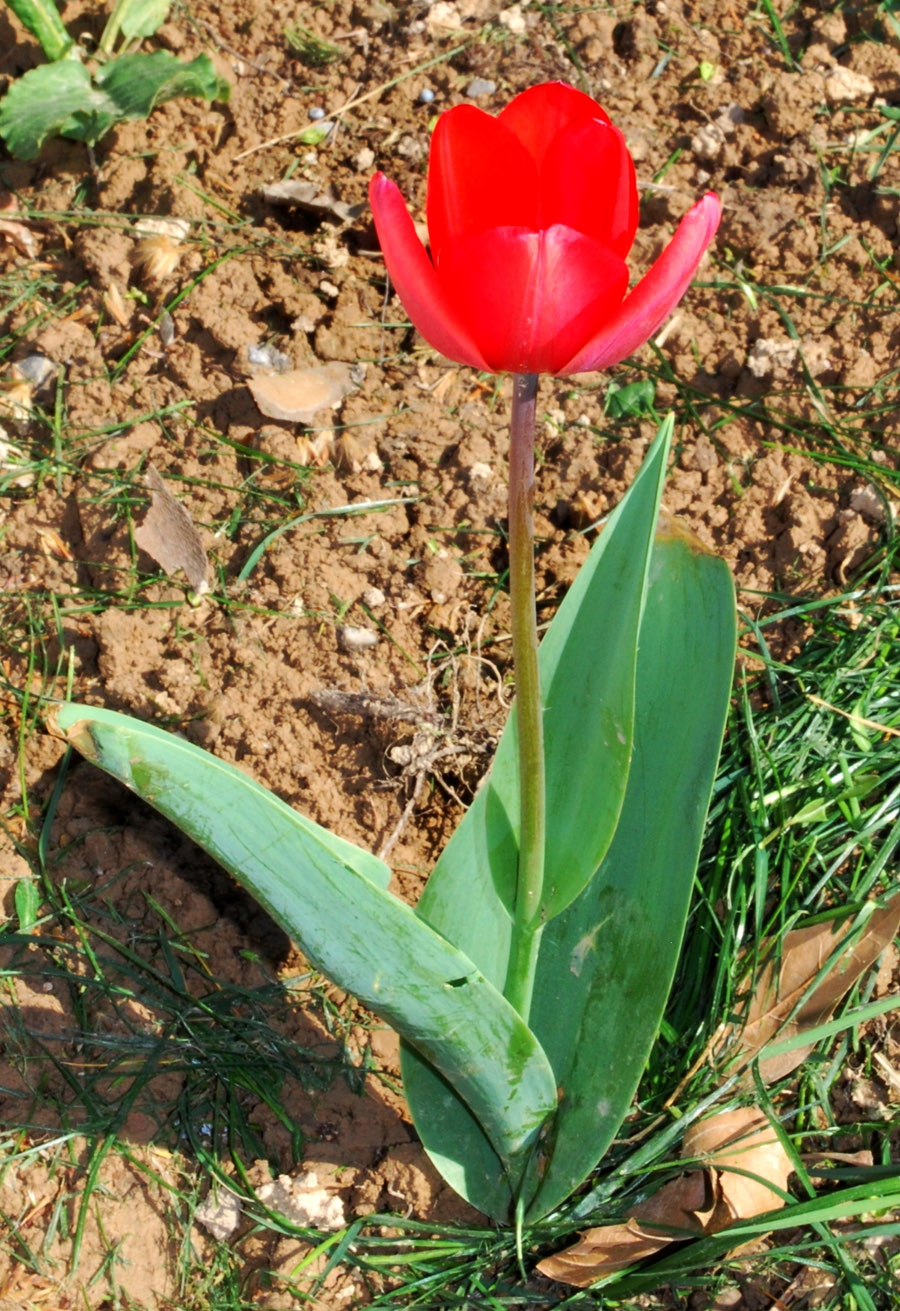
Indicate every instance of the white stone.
{"type": "Point", "coordinates": [844, 86]}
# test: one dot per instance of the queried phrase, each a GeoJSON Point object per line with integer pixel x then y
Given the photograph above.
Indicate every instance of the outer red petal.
{"type": "Point", "coordinates": [415, 279]}
{"type": "Point", "coordinates": [538, 115]}
{"type": "Point", "coordinates": [531, 298]}
{"type": "Point", "coordinates": [588, 183]}
{"type": "Point", "coordinates": [479, 176]}
{"type": "Point", "coordinates": [656, 295]}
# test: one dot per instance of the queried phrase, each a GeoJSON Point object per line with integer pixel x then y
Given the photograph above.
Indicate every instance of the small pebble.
{"type": "Point", "coordinates": [480, 86]}
{"type": "Point", "coordinates": [356, 639]}
{"type": "Point", "coordinates": [36, 369]}
{"type": "Point", "coordinates": [267, 357]}
{"type": "Point", "coordinates": [316, 113]}
{"type": "Point", "coordinates": [373, 597]}
{"type": "Point", "coordinates": [426, 96]}
{"type": "Point", "coordinates": [166, 328]}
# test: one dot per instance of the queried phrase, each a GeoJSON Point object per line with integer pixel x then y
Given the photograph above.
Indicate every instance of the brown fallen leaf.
{"type": "Point", "coordinates": [169, 536]}
{"type": "Point", "coordinates": [299, 394]}
{"type": "Point", "coordinates": [20, 236]}
{"type": "Point", "coordinates": [804, 952]}
{"type": "Point", "coordinates": [679, 1210]}
{"type": "Point", "coordinates": [740, 1140]}
{"type": "Point", "coordinates": [307, 196]}
{"type": "Point", "coordinates": [698, 1202]}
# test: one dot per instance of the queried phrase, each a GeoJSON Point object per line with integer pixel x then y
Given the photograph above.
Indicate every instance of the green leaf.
{"type": "Point", "coordinates": [41, 18]}
{"type": "Point", "coordinates": [28, 901]}
{"type": "Point", "coordinates": [330, 897]}
{"type": "Point", "coordinates": [53, 100]}
{"type": "Point", "coordinates": [587, 660]}
{"type": "Point", "coordinates": [138, 83]}
{"type": "Point", "coordinates": [630, 401]}
{"type": "Point", "coordinates": [606, 966]}
{"type": "Point", "coordinates": [140, 18]}
{"type": "Point", "coordinates": [605, 963]}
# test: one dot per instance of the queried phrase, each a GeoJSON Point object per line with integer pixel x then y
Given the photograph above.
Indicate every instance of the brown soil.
{"type": "Point", "coordinates": [240, 670]}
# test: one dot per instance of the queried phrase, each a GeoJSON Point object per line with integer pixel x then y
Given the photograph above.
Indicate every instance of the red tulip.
{"type": "Point", "coordinates": [531, 216]}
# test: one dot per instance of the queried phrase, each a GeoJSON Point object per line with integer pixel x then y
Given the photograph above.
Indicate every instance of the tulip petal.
{"type": "Point", "coordinates": [538, 115]}
{"type": "Point", "coordinates": [531, 298]}
{"type": "Point", "coordinates": [479, 176]}
{"type": "Point", "coordinates": [415, 279]}
{"type": "Point", "coordinates": [656, 295]}
{"type": "Point", "coordinates": [588, 183]}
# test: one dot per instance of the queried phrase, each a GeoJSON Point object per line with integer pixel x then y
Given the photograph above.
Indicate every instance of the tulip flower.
{"type": "Point", "coordinates": [531, 216]}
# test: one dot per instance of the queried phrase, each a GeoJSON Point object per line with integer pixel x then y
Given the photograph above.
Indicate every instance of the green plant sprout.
{"type": "Point", "coordinates": [82, 98]}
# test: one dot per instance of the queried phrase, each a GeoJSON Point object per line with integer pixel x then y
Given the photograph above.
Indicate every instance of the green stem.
{"type": "Point", "coordinates": [112, 28]}
{"type": "Point", "coordinates": [527, 923]}
{"type": "Point", "coordinates": [41, 18]}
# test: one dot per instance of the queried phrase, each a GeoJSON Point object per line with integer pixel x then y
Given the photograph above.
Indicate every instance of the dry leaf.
{"type": "Point", "coordinates": [176, 229]}
{"type": "Point", "coordinates": [804, 953]}
{"type": "Point", "coordinates": [699, 1202]}
{"type": "Point", "coordinates": [681, 1209]}
{"type": "Point", "coordinates": [114, 304]}
{"type": "Point", "coordinates": [299, 394]}
{"type": "Point", "coordinates": [20, 236]}
{"type": "Point", "coordinates": [52, 543]}
{"type": "Point", "coordinates": [168, 535]}
{"type": "Point", "coordinates": [15, 402]}
{"type": "Point", "coordinates": [744, 1139]}
{"type": "Point", "coordinates": [307, 196]}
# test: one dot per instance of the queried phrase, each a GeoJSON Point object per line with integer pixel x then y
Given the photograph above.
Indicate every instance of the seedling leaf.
{"type": "Point", "coordinates": [138, 83]}
{"type": "Point", "coordinates": [55, 99]}
{"type": "Point", "coordinates": [41, 18]}
{"type": "Point", "coordinates": [140, 18]}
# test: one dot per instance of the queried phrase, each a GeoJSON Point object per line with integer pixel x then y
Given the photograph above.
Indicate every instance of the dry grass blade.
{"type": "Point", "coordinates": [778, 1009]}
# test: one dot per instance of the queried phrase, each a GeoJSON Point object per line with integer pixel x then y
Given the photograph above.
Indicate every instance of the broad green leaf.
{"type": "Point", "coordinates": [588, 730]}
{"type": "Point", "coordinates": [605, 964]}
{"type": "Point", "coordinates": [55, 99]}
{"type": "Point", "coordinates": [630, 401]}
{"type": "Point", "coordinates": [41, 18]}
{"type": "Point", "coordinates": [330, 897]}
{"type": "Point", "coordinates": [138, 83]}
{"type": "Point", "coordinates": [140, 18]}
{"type": "Point", "coordinates": [587, 661]}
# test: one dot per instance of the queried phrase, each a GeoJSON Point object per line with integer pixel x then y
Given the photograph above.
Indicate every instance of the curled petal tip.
{"type": "Point", "coordinates": [646, 307]}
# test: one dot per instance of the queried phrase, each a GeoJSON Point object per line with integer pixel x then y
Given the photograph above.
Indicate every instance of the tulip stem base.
{"type": "Point", "coordinates": [527, 915]}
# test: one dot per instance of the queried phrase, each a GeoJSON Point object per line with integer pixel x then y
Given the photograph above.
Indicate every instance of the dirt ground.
{"type": "Point", "coordinates": [707, 100]}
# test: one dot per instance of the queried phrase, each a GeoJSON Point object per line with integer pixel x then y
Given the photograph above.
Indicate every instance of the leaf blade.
{"type": "Point", "coordinates": [137, 83]}
{"type": "Point", "coordinates": [606, 965]}
{"type": "Point", "coordinates": [357, 933]}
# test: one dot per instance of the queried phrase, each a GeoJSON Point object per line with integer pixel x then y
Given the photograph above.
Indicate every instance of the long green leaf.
{"type": "Point", "coordinates": [41, 18]}
{"type": "Point", "coordinates": [325, 893]}
{"type": "Point", "coordinates": [588, 660]}
{"type": "Point", "coordinates": [589, 714]}
{"type": "Point", "coordinates": [605, 964]}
